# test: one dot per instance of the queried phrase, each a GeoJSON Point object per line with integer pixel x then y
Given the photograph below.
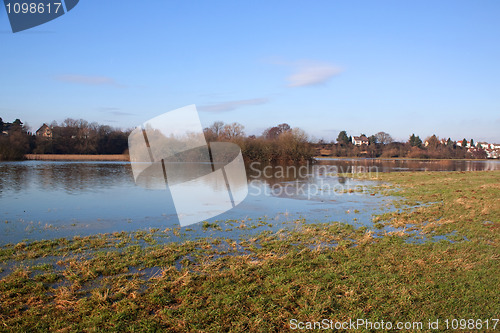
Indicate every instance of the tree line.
{"type": "Point", "coordinates": [69, 137]}
{"type": "Point", "coordinates": [382, 145]}
{"type": "Point", "coordinates": [277, 144]}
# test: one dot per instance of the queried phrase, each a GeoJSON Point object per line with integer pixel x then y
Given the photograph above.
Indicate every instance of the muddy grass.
{"type": "Point", "coordinates": [323, 271]}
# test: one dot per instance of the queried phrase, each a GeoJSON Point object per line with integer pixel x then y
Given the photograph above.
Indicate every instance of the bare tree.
{"type": "Point", "coordinates": [217, 128]}
{"type": "Point", "coordinates": [383, 138]}
{"type": "Point", "coordinates": [234, 130]}
{"type": "Point", "coordinates": [214, 131]}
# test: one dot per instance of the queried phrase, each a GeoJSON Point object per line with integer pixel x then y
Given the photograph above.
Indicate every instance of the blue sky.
{"type": "Point", "coordinates": [403, 67]}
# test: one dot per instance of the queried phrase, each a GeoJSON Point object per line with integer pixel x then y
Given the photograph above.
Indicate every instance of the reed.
{"type": "Point", "coordinates": [76, 157]}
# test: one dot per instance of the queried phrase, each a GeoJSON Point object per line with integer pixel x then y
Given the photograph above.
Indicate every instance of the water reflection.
{"type": "Point", "coordinates": [69, 177]}
{"type": "Point", "coordinates": [393, 165]}
{"type": "Point", "coordinates": [42, 199]}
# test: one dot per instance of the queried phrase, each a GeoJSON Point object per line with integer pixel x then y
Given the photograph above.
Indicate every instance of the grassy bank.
{"type": "Point", "coordinates": [75, 157]}
{"type": "Point", "coordinates": [126, 282]}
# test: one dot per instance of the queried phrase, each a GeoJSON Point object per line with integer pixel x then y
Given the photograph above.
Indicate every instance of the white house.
{"type": "Point", "coordinates": [360, 140]}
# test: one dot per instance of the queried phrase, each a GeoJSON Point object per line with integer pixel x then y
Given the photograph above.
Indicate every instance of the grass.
{"type": "Point", "coordinates": [328, 270]}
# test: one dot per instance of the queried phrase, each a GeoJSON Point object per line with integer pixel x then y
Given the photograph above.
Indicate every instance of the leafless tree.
{"type": "Point", "coordinates": [234, 130]}
{"type": "Point", "coordinates": [383, 138]}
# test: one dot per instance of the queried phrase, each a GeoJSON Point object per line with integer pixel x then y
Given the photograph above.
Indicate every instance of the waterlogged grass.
{"type": "Point", "coordinates": [465, 202]}
{"type": "Point", "coordinates": [131, 282]}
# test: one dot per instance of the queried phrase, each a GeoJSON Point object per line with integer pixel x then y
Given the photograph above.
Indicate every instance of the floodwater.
{"type": "Point", "coordinates": [48, 200]}
{"type": "Point", "coordinates": [396, 165]}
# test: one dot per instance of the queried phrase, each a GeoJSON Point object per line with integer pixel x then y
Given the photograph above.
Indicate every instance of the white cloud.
{"type": "Point", "coordinates": [89, 80]}
{"type": "Point", "coordinates": [232, 105]}
{"type": "Point", "coordinates": [309, 74]}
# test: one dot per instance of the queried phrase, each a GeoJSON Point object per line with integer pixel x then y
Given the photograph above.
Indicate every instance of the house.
{"type": "Point", "coordinates": [443, 142]}
{"type": "Point", "coordinates": [460, 144]}
{"type": "Point", "coordinates": [6, 128]}
{"type": "Point", "coordinates": [360, 140]}
{"type": "Point", "coordinates": [493, 153]}
{"type": "Point", "coordinates": [44, 131]}
{"type": "Point", "coordinates": [484, 145]}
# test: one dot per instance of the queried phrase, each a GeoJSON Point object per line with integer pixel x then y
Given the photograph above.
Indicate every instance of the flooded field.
{"type": "Point", "coordinates": [48, 200]}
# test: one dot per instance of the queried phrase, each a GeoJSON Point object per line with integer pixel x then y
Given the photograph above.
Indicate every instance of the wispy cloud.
{"type": "Point", "coordinates": [115, 111]}
{"type": "Point", "coordinates": [309, 74]}
{"type": "Point", "coordinates": [121, 113]}
{"type": "Point", "coordinates": [89, 80]}
{"type": "Point", "coordinates": [232, 105]}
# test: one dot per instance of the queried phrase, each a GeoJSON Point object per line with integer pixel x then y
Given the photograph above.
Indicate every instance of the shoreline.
{"type": "Point", "coordinates": [76, 157]}
{"type": "Point", "coordinates": [402, 158]}
{"type": "Point", "coordinates": [126, 158]}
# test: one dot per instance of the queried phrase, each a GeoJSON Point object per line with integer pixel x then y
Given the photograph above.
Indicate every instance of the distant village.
{"type": "Point", "coordinates": [492, 149]}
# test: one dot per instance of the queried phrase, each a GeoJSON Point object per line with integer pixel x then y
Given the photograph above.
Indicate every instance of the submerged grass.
{"type": "Point", "coordinates": [127, 282]}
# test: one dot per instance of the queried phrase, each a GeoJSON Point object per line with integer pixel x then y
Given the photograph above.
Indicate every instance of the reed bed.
{"type": "Point", "coordinates": [76, 157]}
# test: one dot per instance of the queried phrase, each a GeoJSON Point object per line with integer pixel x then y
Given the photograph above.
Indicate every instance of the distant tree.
{"type": "Point", "coordinates": [415, 141]}
{"type": "Point", "coordinates": [111, 141]}
{"type": "Point", "coordinates": [214, 131]}
{"type": "Point", "coordinates": [383, 138]}
{"type": "Point", "coordinates": [284, 128]}
{"type": "Point", "coordinates": [411, 140]}
{"type": "Point", "coordinates": [234, 130]}
{"type": "Point", "coordinates": [472, 142]}
{"type": "Point", "coordinates": [15, 145]}
{"type": "Point", "coordinates": [217, 128]}
{"type": "Point", "coordinates": [273, 133]}
{"type": "Point", "coordinates": [343, 139]}
{"type": "Point", "coordinates": [372, 139]}
{"type": "Point", "coordinates": [464, 142]}
{"type": "Point", "coordinates": [1, 125]}
{"type": "Point", "coordinates": [433, 142]}
{"type": "Point", "coordinates": [16, 125]}
{"type": "Point", "coordinates": [293, 145]}
{"type": "Point", "coordinates": [449, 143]}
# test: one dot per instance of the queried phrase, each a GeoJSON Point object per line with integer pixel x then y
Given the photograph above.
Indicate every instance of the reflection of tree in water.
{"type": "Point", "coordinates": [71, 177]}
{"type": "Point", "coordinates": [14, 177]}
{"type": "Point", "coordinates": [391, 165]}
